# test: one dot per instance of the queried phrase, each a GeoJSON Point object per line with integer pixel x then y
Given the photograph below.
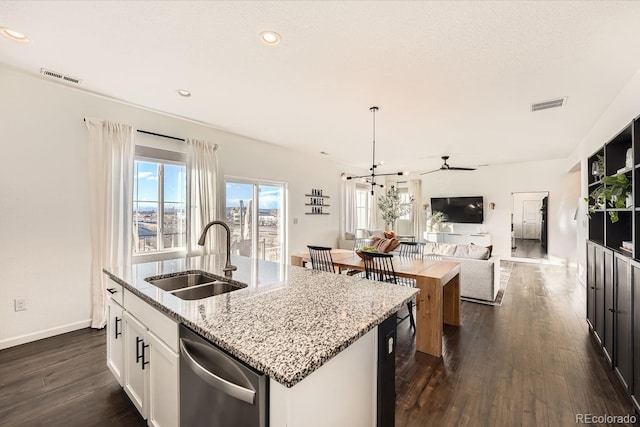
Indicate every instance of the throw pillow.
{"type": "Point", "coordinates": [384, 245]}
{"type": "Point", "coordinates": [389, 234]}
{"type": "Point", "coordinates": [490, 247]}
{"type": "Point", "coordinates": [349, 236]}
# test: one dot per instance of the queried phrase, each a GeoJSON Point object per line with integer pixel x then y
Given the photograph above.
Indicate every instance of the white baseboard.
{"type": "Point", "coordinates": [35, 336]}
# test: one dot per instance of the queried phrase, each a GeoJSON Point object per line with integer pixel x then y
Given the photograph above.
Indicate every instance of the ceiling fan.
{"type": "Point", "coordinates": [445, 167]}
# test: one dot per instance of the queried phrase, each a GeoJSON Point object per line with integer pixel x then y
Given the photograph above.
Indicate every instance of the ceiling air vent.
{"type": "Point", "coordinates": [552, 103]}
{"type": "Point", "coordinates": [56, 75]}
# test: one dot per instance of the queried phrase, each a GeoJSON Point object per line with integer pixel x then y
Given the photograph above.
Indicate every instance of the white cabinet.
{"type": "Point", "coordinates": [142, 353]}
{"type": "Point", "coordinates": [115, 340]}
{"type": "Point", "coordinates": [479, 239]}
{"type": "Point", "coordinates": [136, 358]}
{"type": "Point", "coordinates": [456, 238]}
{"type": "Point", "coordinates": [164, 384]}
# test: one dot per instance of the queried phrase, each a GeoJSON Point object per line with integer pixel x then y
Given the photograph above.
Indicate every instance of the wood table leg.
{"type": "Point", "coordinates": [429, 316]}
{"type": "Point", "coordinates": [451, 301]}
{"type": "Point", "coordinates": [297, 261]}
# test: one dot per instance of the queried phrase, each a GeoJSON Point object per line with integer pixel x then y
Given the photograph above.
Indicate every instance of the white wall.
{"type": "Point", "coordinates": [44, 212]}
{"type": "Point", "coordinates": [496, 183]}
{"type": "Point", "coordinates": [622, 110]}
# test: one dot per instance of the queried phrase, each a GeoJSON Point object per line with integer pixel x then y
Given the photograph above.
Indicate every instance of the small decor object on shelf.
{"type": "Point", "coordinates": [392, 207]}
{"type": "Point", "coordinates": [597, 168]}
{"type": "Point", "coordinates": [628, 161]}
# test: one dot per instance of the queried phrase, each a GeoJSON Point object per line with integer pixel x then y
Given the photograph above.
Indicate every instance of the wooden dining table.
{"type": "Point", "coordinates": [437, 303]}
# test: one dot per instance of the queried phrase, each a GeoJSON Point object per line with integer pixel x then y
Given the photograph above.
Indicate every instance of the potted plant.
{"type": "Point", "coordinates": [392, 207]}
{"type": "Point", "coordinates": [614, 192]}
{"type": "Point", "coordinates": [434, 220]}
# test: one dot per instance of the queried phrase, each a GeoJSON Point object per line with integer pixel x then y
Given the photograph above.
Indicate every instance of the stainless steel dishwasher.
{"type": "Point", "coordinates": [218, 390]}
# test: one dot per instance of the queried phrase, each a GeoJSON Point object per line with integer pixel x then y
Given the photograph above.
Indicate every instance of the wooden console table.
{"type": "Point", "coordinates": [437, 303]}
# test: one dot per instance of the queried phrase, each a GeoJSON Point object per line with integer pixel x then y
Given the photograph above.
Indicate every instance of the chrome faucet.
{"type": "Point", "coordinates": [228, 268]}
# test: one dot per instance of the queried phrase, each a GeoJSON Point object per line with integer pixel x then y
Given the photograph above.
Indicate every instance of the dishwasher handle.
{"type": "Point", "coordinates": [229, 388]}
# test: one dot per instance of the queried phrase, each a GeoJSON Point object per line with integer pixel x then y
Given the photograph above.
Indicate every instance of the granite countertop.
{"type": "Point", "coordinates": [287, 322]}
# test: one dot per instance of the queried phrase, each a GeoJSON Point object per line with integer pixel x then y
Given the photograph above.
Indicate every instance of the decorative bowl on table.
{"type": "Point", "coordinates": [359, 251]}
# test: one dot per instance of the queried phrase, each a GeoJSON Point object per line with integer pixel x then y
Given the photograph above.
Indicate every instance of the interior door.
{"type": "Point", "coordinates": [531, 219]}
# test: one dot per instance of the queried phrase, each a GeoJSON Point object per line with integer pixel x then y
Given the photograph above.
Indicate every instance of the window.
{"type": "Point", "coordinates": [159, 205]}
{"type": "Point", "coordinates": [362, 207]}
{"type": "Point", "coordinates": [405, 197]}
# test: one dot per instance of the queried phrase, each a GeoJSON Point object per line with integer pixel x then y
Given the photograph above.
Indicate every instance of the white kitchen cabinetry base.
{"type": "Point", "coordinates": [164, 384]}
{"type": "Point", "coordinates": [341, 393]}
{"type": "Point", "coordinates": [135, 378]}
{"type": "Point", "coordinates": [115, 340]}
{"type": "Point", "coordinates": [142, 354]}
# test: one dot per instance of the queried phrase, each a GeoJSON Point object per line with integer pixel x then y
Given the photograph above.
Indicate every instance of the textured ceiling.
{"type": "Point", "coordinates": [451, 78]}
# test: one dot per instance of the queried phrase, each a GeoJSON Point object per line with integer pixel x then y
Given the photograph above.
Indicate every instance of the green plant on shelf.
{"type": "Point", "coordinates": [612, 192]}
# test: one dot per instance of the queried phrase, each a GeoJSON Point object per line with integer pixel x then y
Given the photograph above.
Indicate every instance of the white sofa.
{"type": "Point", "coordinates": [479, 278]}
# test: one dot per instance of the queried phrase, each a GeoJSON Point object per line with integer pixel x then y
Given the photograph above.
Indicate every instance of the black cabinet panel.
{"type": "Point", "coordinates": [623, 321]}
{"type": "Point", "coordinates": [591, 286]}
{"type": "Point", "coordinates": [607, 325]}
{"type": "Point", "coordinates": [635, 274]}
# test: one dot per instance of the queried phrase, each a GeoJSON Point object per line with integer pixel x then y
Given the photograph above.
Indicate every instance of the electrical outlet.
{"type": "Point", "coordinates": [295, 221]}
{"type": "Point", "coordinates": [20, 304]}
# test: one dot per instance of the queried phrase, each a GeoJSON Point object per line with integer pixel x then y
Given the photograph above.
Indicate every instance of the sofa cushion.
{"type": "Point", "coordinates": [471, 251]}
{"type": "Point", "coordinates": [389, 234]}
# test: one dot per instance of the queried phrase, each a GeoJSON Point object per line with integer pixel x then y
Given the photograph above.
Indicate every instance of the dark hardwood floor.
{"type": "Point", "coordinates": [62, 381]}
{"type": "Point", "coordinates": [528, 362]}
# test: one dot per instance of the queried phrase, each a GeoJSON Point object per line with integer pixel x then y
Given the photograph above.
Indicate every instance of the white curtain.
{"type": "Point", "coordinates": [111, 156]}
{"type": "Point", "coordinates": [349, 214]}
{"type": "Point", "coordinates": [202, 173]}
{"type": "Point", "coordinates": [415, 190]}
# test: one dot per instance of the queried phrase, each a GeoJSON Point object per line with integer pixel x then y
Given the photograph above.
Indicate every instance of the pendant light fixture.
{"type": "Point", "coordinates": [371, 178]}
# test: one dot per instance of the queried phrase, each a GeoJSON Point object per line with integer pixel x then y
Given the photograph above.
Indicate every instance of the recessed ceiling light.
{"type": "Point", "coordinates": [270, 38]}
{"type": "Point", "coordinates": [184, 93]}
{"type": "Point", "coordinates": [13, 35]}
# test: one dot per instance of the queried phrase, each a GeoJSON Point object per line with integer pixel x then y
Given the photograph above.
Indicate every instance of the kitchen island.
{"type": "Point", "coordinates": [313, 333]}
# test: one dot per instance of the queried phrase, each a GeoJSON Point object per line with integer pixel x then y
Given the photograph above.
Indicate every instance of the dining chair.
{"type": "Point", "coordinates": [411, 249]}
{"type": "Point", "coordinates": [379, 266]}
{"type": "Point", "coordinates": [321, 259]}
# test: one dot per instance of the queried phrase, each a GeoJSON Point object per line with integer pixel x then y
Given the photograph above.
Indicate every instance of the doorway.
{"type": "Point", "coordinates": [255, 213]}
{"type": "Point", "coordinates": [529, 221]}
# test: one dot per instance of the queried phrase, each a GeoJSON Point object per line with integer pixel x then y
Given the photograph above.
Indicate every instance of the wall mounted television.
{"type": "Point", "coordinates": [460, 209]}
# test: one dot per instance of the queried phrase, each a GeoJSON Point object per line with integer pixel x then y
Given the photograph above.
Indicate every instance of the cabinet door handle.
{"type": "Point", "coordinates": [593, 287]}
{"type": "Point", "coordinates": [612, 310]}
{"type": "Point", "coordinates": [138, 352]}
{"type": "Point", "coordinates": [144, 353]}
{"type": "Point", "coordinates": [118, 333]}
{"type": "Point", "coordinates": [112, 291]}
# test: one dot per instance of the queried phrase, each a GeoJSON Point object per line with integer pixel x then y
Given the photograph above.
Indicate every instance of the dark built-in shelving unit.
{"type": "Point", "coordinates": [613, 273]}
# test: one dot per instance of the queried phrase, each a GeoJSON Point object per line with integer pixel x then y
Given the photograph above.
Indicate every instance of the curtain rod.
{"type": "Point", "coordinates": [155, 134]}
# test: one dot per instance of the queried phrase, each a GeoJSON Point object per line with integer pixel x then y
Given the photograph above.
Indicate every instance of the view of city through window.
{"type": "Point", "coordinates": [159, 206]}
{"type": "Point", "coordinates": [255, 229]}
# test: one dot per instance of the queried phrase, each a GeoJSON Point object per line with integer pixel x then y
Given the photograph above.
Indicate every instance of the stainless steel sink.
{"type": "Point", "coordinates": [194, 285]}
{"type": "Point", "coordinates": [208, 290]}
{"type": "Point", "coordinates": [182, 281]}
